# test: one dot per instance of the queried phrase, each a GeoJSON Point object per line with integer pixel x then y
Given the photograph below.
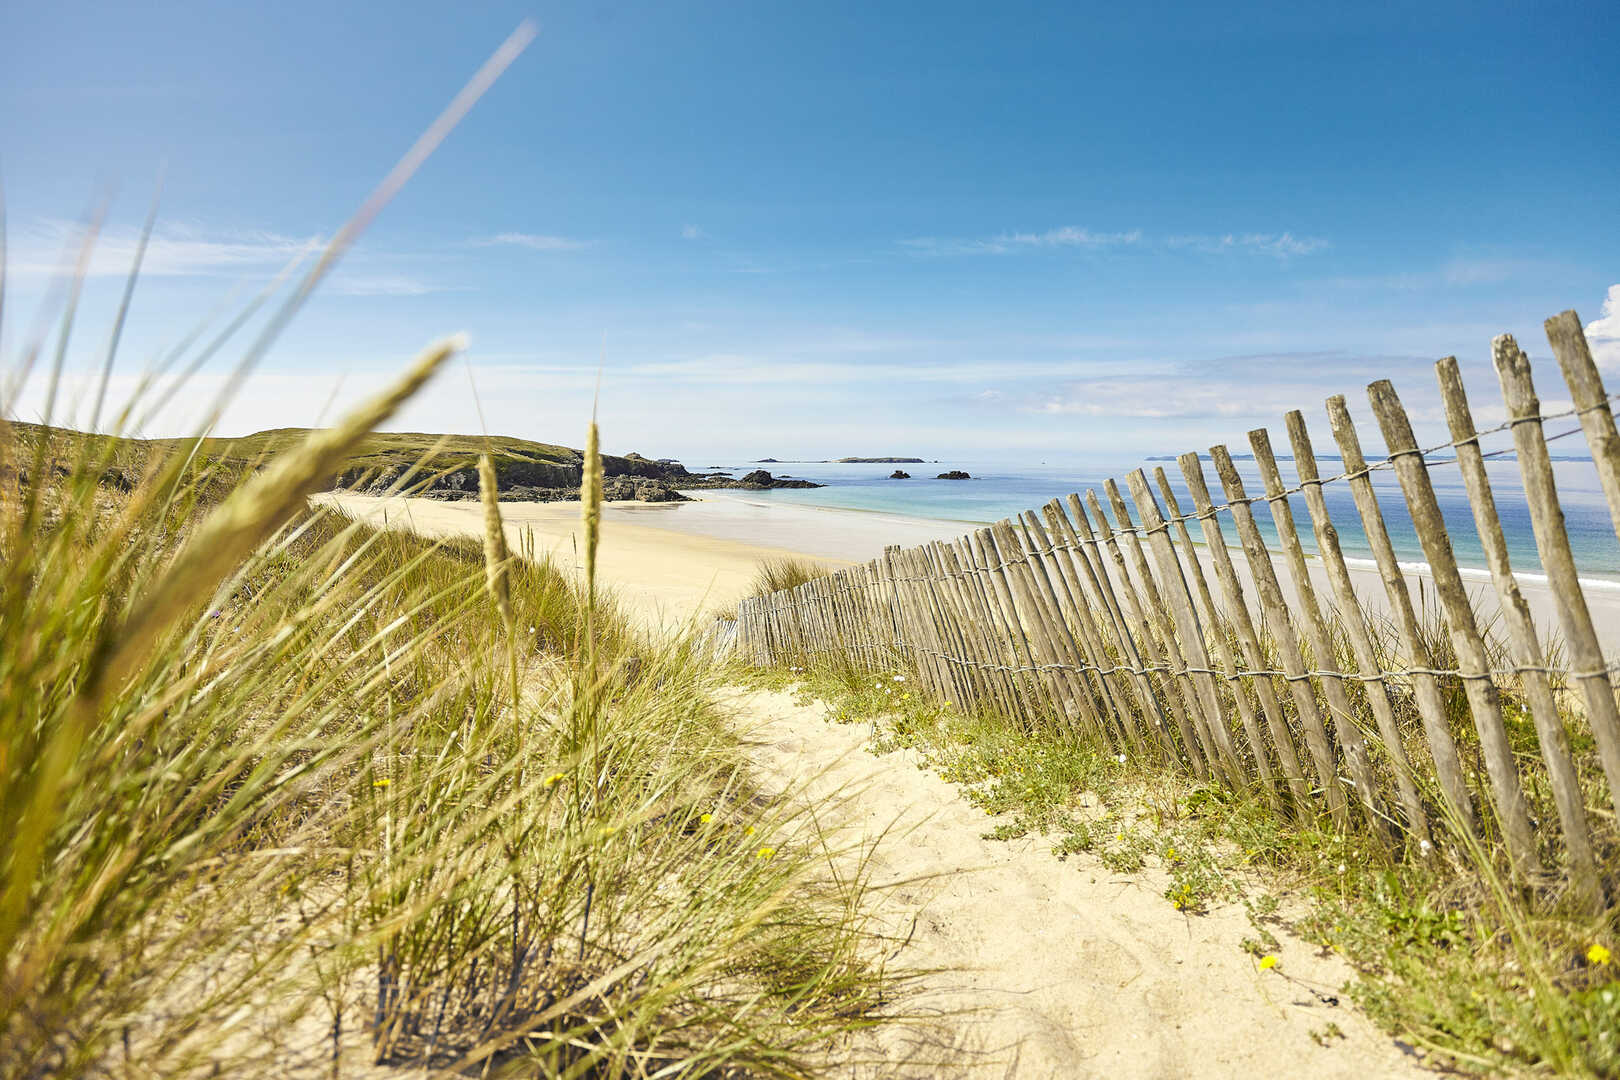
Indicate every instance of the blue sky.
{"type": "Point", "coordinates": [997, 231]}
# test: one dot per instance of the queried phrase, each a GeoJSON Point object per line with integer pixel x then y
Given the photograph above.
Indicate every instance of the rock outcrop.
{"type": "Point", "coordinates": [899, 474]}
{"type": "Point", "coordinates": [614, 489]}
{"type": "Point", "coordinates": [761, 480]}
{"type": "Point", "coordinates": [954, 474]}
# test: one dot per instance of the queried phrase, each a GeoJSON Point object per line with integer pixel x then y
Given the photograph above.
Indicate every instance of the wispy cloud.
{"type": "Point", "coordinates": [1603, 333]}
{"type": "Point", "coordinates": [691, 232]}
{"type": "Point", "coordinates": [814, 368]}
{"type": "Point", "coordinates": [1072, 237]}
{"type": "Point", "coordinates": [1261, 386]}
{"type": "Point", "coordinates": [48, 247]}
{"type": "Point", "coordinates": [532, 241]}
{"type": "Point", "coordinates": [1067, 236]}
{"type": "Point", "coordinates": [1280, 245]}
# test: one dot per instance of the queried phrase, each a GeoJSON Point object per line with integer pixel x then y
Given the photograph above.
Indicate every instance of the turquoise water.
{"type": "Point", "coordinates": [999, 490]}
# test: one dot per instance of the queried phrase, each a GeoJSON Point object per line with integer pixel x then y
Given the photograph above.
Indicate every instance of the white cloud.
{"type": "Point", "coordinates": [1158, 399]}
{"type": "Point", "coordinates": [533, 241]}
{"type": "Point", "coordinates": [1603, 333]}
{"type": "Point", "coordinates": [1280, 245]}
{"type": "Point", "coordinates": [1067, 236]}
{"type": "Point", "coordinates": [691, 232]}
{"type": "Point", "coordinates": [51, 246]}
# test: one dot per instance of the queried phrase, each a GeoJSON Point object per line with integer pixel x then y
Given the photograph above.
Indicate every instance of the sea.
{"type": "Point", "coordinates": [926, 507]}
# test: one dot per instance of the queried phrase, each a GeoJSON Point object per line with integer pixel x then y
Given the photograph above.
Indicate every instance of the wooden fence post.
{"type": "Point", "coordinates": [1237, 611]}
{"type": "Point", "coordinates": [1073, 603]}
{"type": "Point", "coordinates": [1320, 638]}
{"type": "Point", "coordinates": [1355, 624]}
{"type": "Point", "coordinates": [1034, 587]}
{"type": "Point", "coordinates": [1158, 657]}
{"type": "Point", "coordinates": [1189, 633]}
{"type": "Point", "coordinates": [1483, 700]}
{"type": "Point", "coordinates": [1151, 714]}
{"type": "Point", "coordinates": [1550, 734]}
{"type": "Point", "coordinates": [1425, 688]}
{"type": "Point", "coordinates": [1282, 631]}
{"type": "Point", "coordinates": [1547, 521]}
{"type": "Point", "coordinates": [993, 641]}
{"type": "Point", "coordinates": [1569, 345]}
{"type": "Point", "coordinates": [1052, 665]}
{"type": "Point", "coordinates": [1229, 661]}
{"type": "Point", "coordinates": [988, 560]}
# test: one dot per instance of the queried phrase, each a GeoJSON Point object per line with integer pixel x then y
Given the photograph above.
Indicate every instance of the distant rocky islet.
{"type": "Point", "coordinates": [630, 478]}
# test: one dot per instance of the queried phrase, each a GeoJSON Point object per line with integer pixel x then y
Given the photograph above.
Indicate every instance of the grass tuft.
{"type": "Point", "coordinates": [785, 572]}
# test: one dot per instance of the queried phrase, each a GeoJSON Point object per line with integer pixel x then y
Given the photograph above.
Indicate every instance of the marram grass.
{"type": "Point", "coordinates": [784, 572]}
{"type": "Point", "coordinates": [313, 824]}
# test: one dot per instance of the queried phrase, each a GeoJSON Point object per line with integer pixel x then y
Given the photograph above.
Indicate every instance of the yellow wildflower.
{"type": "Point", "coordinates": [553, 780]}
{"type": "Point", "coordinates": [384, 782]}
{"type": "Point", "coordinates": [1597, 954]}
{"type": "Point", "coordinates": [1170, 854]}
{"type": "Point", "coordinates": [748, 831]}
{"type": "Point", "coordinates": [765, 853]}
{"type": "Point", "coordinates": [1268, 962]}
{"type": "Point", "coordinates": [705, 818]}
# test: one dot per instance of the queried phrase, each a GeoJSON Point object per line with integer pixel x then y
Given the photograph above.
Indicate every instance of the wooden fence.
{"type": "Point", "coordinates": [1128, 632]}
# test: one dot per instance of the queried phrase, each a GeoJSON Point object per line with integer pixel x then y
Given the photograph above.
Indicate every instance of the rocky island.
{"type": "Point", "coordinates": [525, 471]}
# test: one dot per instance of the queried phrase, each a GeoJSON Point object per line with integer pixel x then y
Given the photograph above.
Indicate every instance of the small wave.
{"type": "Point", "coordinates": [1470, 573]}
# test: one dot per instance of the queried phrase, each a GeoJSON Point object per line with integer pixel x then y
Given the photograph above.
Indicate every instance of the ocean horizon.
{"type": "Point", "coordinates": [998, 490]}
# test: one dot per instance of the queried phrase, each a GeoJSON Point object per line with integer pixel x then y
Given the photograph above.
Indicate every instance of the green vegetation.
{"type": "Point", "coordinates": [392, 453]}
{"type": "Point", "coordinates": [410, 460]}
{"type": "Point", "coordinates": [1447, 958]}
{"type": "Point", "coordinates": [274, 801]}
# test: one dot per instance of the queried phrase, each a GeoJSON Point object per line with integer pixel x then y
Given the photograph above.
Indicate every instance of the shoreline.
{"type": "Point", "coordinates": [965, 525]}
{"type": "Point", "coordinates": [672, 562]}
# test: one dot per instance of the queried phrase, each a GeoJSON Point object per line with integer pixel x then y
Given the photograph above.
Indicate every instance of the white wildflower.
{"type": "Point", "coordinates": [1120, 759]}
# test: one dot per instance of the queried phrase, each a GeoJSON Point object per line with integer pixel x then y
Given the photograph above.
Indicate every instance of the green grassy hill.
{"type": "Point", "coordinates": [382, 457]}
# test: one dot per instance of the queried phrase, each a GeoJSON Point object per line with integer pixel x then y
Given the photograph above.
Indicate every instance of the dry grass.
{"type": "Point", "coordinates": [787, 572]}
{"type": "Point", "coordinates": [284, 795]}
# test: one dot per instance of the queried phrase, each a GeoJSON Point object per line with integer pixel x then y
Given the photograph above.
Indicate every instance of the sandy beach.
{"type": "Point", "coordinates": [670, 562]}
{"type": "Point", "coordinates": [664, 577]}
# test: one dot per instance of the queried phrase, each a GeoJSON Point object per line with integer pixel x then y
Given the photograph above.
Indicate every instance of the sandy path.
{"type": "Point", "coordinates": [1069, 969]}
{"type": "Point", "coordinates": [1041, 968]}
